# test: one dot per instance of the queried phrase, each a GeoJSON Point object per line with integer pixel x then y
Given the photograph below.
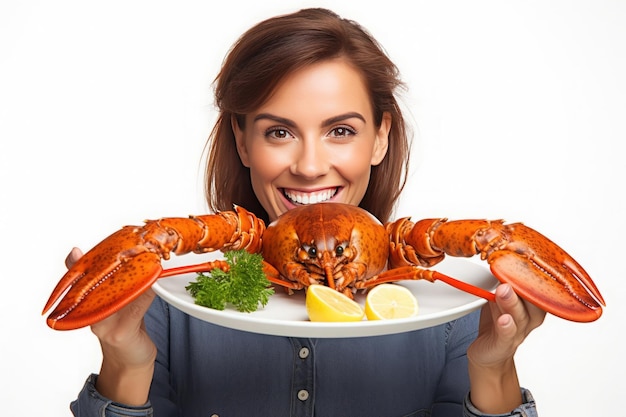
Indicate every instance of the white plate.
{"type": "Point", "coordinates": [285, 315]}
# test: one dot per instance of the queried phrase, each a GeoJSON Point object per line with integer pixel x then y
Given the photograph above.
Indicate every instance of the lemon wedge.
{"type": "Point", "coordinates": [390, 301]}
{"type": "Point", "coordinates": [325, 304]}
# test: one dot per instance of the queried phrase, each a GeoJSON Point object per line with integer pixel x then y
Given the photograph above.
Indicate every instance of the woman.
{"type": "Point", "coordinates": [307, 114]}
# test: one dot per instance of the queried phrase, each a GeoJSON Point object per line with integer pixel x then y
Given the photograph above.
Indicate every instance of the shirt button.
{"type": "Point", "coordinates": [304, 353]}
{"type": "Point", "coordinates": [303, 395]}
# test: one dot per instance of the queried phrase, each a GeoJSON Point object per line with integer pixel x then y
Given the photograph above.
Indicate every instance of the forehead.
{"type": "Point", "coordinates": [328, 87]}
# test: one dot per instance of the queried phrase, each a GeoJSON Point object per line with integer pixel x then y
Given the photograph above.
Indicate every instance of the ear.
{"type": "Point", "coordinates": [240, 142]}
{"type": "Point", "coordinates": [381, 144]}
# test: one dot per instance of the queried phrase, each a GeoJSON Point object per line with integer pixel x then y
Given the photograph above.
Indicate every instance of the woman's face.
{"type": "Point", "coordinates": [314, 140]}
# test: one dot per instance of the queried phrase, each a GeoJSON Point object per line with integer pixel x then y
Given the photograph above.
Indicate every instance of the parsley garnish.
{"type": "Point", "coordinates": [244, 286]}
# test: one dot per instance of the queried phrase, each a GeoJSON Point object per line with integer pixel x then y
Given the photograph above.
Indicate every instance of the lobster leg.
{"type": "Point", "coordinates": [125, 264]}
{"type": "Point", "coordinates": [416, 273]}
{"type": "Point", "coordinates": [298, 276]}
{"type": "Point", "coordinates": [200, 268]}
{"type": "Point", "coordinates": [271, 273]}
{"type": "Point", "coordinates": [303, 277]}
{"type": "Point", "coordinates": [539, 270]}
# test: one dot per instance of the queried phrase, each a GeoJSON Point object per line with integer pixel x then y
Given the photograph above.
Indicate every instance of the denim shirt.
{"type": "Point", "coordinates": [208, 370]}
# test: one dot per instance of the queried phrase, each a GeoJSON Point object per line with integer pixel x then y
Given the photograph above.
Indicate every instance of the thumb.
{"type": "Point", "coordinates": [74, 255]}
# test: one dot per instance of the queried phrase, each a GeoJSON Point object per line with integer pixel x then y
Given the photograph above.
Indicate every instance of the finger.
{"type": "Point", "coordinates": [74, 255]}
{"type": "Point", "coordinates": [500, 338]}
{"type": "Point", "coordinates": [124, 327]}
{"type": "Point", "coordinates": [509, 303]}
{"type": "Point", "coordinates": [505, 326]}
{"type": "Point", "coordinates": [536, 315]}
{"type": "Point", "coordinates": [525, 315]}
{"type": "Point", "coordinates": [138, 308]}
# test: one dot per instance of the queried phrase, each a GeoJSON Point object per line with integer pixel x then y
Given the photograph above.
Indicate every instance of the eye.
{"type": "Point", "coordinates": [339, 250]}
{"type": "Point", "coordinates": [341, 132]}
{"type": "Point", "coordinates": [312, 252]}
{"type": "Point", "coordinates": [277, 133]}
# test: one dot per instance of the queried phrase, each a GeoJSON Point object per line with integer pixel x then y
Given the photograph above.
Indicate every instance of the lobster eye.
{"type": "Point", "coordinates": [339, 250]}
{"type": "Point", "coordinates": [312, 252]}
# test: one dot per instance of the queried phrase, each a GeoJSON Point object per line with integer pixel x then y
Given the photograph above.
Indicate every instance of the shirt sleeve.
{"type": "Point", "coordinates": [526, 409]}
{"type": "Point", "coordinates": [91, 403]}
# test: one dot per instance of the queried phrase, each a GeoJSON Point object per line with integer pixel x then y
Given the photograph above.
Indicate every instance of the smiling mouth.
{"type": "Point", "coordinates": [298, 197]}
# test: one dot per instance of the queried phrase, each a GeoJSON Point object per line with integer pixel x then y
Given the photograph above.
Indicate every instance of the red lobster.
{"type": "Point", "coordinates": [335, 244]}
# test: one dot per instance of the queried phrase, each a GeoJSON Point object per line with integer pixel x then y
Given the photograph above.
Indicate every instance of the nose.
{"type": "Point", "coordinates": [312, 159]}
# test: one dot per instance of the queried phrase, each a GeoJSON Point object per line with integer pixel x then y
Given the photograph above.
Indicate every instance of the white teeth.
{"type": "Point", "coordinates": [310, 198]}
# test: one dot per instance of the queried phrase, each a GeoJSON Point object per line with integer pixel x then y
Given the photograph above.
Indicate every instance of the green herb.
{"type": "Point", "coordinates": [245, 285]}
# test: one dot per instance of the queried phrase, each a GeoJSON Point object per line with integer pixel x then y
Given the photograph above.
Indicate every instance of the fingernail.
{"type": "Point", "coordinates": [507, 292]}
{"type": "Point", "coordinates": [506, 320]}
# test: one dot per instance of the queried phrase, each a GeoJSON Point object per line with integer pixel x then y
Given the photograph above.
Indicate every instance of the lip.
{"type": "Point", "coordinates": [289, 203]}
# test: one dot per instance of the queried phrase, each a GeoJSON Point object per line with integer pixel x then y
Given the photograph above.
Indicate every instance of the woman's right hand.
{"type": "Point", "coordinates": [128, 353]}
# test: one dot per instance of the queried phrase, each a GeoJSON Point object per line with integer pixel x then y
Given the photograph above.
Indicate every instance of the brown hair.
{"type": "Point", "coordinates": [256, 64]}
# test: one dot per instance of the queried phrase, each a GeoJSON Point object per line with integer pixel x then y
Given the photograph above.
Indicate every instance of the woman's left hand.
{"type": "Point", "coordinates": [504, 325]}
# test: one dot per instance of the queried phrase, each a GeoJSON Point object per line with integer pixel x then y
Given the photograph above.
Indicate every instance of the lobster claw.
{"type": "Point", "coordinates": [545, 275]}
{"type": "Point", "coordinates": [125, 264]}
{"type": "Point", "coordinates": [539, 270]}
{"type": "Point", "coordinates": [103, 281]}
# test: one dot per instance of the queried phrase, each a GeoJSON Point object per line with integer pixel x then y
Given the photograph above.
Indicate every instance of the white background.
{"type": "Point", "coordinates": [518, 109]}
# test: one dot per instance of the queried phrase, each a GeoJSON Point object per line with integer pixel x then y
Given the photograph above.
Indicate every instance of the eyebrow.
{"type": "Point", "coordinates": [291, 123]}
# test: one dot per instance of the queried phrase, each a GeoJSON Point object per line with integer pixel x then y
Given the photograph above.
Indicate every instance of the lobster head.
{"type": "Point", "coordinates": [329, 243]}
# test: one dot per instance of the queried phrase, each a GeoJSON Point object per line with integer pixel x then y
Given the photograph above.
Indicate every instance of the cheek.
{"type": "Point", "coordinates": [265, 166]}
{"type": "Point", "coordinates": [354, 165]}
